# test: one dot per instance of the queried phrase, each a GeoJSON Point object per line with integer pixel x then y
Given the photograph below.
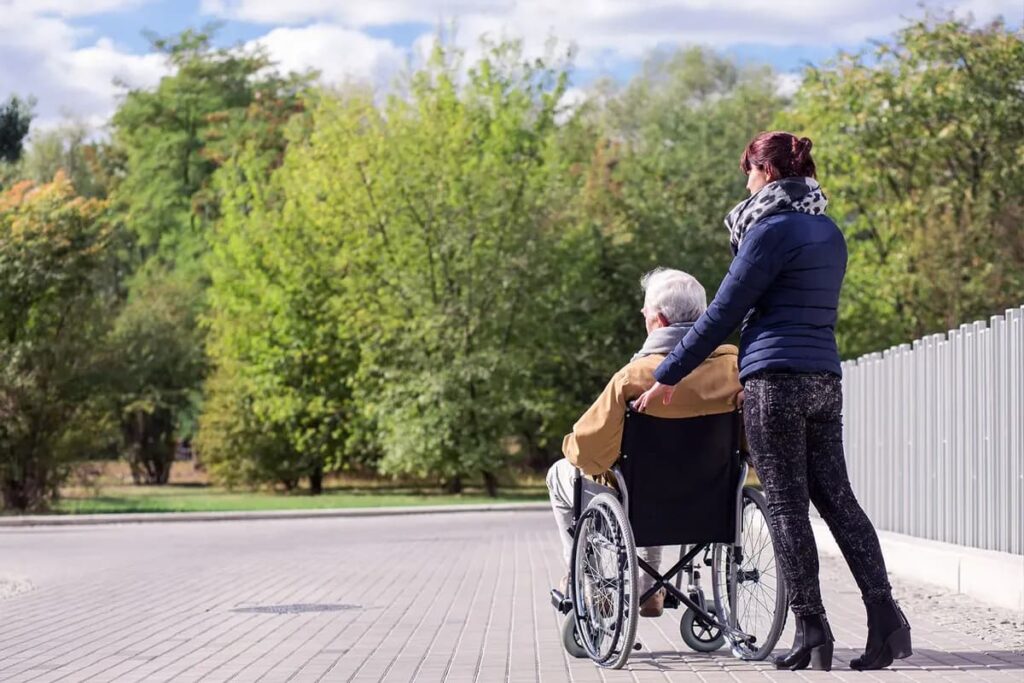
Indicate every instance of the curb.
{"type": "Point", "coordinates": [241, 515]}
{"type": "Point", "coordinates": [989, 576]}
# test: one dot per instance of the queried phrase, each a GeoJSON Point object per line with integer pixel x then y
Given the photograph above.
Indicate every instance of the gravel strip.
{"type": "Point", "coordinates": [1003, 628]}
{"type": "Point", "coordinates": [11, 587]}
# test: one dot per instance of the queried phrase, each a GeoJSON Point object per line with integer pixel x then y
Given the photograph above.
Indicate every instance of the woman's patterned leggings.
{"type": "Point", "coordinates": [795, 433]}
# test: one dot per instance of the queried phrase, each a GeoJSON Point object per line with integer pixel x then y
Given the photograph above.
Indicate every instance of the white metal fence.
{"type": "Point", "coordinates": [934, 435]}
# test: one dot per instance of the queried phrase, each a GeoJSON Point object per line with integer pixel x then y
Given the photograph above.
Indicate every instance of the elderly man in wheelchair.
{"type": "Point", "coordinates": [632, 483]}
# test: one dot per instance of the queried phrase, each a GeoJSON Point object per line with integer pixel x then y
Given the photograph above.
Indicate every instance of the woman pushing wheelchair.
{"type": "Point", "coordinates": [784, 284]}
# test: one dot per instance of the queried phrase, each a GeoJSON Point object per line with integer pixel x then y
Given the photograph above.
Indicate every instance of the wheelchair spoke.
{"type": "Point", "coordinates": [747, 586]}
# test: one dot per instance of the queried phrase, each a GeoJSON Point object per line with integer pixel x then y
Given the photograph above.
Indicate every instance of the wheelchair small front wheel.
{"type": "Point", "coordinates": [571, 639]}
{"type": "Point", "coordinates": [699, 637]}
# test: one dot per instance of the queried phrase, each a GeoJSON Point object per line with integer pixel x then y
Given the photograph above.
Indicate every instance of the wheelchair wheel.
{"type": "Point", "coordinates": [750, 593]}
{"type": "Point", "coordinates": [697, 636]}
{"type": "Point", "coordinates": [604, 582]}
{"type": "Point", "coordinates": [571, 639]}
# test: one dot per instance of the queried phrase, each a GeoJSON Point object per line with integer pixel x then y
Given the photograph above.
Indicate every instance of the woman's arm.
{"type": "Point", "coordinates": [755, 267]}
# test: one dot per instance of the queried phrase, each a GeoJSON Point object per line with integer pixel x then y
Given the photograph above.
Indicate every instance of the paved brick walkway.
{"type": "Point", "coordinates": [459, 597]}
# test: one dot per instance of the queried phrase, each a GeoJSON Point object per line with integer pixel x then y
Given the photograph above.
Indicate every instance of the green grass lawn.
{"type": "Point", "coordinates": [192, 498]}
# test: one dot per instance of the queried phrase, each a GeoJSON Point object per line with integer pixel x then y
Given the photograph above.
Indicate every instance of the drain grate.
{"type": "Point", "coordinates": [294, 609]}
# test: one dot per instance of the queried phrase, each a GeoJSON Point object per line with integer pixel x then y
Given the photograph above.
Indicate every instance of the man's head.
{"type": "Point", "coordinates": [670, 297]}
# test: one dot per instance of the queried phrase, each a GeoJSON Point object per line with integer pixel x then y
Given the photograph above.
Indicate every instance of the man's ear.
{"type": "Point", "coordinates": [663, 320]}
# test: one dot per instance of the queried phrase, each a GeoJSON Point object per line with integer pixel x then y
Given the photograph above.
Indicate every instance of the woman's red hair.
{"type": "Point", "coordinates": [780, 155]}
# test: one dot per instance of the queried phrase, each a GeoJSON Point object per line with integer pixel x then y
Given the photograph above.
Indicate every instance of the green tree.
{"type": "Point", "coordinates": [417, 236]}
{"type": "Point", "coordinates": [173, 138]}
{"type": "Point", "coordinates": [237, 448]}
{"type": "Point", "coordinates": [456, 192]}
{"type": "Point", "coordinates": [55, 298]}
{"type": "Point", "coordinates": [679, 128]}
{"type": "Point", "coordinates": [158, 350]}
{"type": "Point", "coordinates": [88, 165]}
{"type": "Point", "coordinates": [15, 119]}
{"type": "Point", "coordinates": [920, 143]}
{"type": "Point", "coordinates": [280, 353]}
{"type": "Point", "coordinates": [168, 135]}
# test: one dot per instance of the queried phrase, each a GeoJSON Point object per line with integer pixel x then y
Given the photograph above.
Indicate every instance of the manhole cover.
{"type": "Point", "coordinates": [294, 609]}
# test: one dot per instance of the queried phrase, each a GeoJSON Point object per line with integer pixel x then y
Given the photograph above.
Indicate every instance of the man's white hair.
{"type": "Point", "coordinates": [675, 294]}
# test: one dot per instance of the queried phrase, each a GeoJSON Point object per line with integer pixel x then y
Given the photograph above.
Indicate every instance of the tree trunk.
{"type": "Point", "coordinates": [453, 485]}
{"type": "Point", "coordinates": [316, 480]}
{"type": "Point", "coordinates": [150, 446]}
{"type": "Point", "coordinates": [28, 492]}
{"type": "Point", "coordinates": [17, 496]}
{"type": "Point", "coordinates": [491, 484]}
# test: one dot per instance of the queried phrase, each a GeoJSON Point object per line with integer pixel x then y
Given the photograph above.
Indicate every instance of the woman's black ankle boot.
{"type": "Point", "coordinates": [888, 636]}
{"type": "Point", "coordinates": [812, 645]}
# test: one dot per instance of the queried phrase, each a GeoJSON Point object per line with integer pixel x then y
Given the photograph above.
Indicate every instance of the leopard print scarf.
{"type": "Point", "coordinates": [788, 194]}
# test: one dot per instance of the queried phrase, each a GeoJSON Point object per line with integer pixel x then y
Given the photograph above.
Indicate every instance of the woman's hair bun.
{"type": "Point", "coordinates": [801, 147]}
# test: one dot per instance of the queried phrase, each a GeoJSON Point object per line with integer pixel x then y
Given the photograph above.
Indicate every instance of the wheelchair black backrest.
{"type": "Point", "coordinates": [682, 477]}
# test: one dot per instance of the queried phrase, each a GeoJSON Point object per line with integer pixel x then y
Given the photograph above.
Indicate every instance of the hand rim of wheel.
{"type": "Point", "coordinates": [606, 510]}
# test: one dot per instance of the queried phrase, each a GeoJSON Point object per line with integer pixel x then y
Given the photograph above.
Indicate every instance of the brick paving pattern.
{"type": "Point", "coordinates": [457, 597]}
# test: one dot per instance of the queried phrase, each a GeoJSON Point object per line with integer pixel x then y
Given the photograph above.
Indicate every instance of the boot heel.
{"type": "Point", "coordinates": [899, 643]}
{"type": "Point", "coordinates": [821, 657]}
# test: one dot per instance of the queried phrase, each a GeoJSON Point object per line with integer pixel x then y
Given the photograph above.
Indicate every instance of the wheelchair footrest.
{"type": "Point", "coordinates": [562, 603]}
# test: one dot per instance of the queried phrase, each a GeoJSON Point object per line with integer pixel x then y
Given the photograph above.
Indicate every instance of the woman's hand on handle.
{"type": "Point", "coordinates": [659, 390]}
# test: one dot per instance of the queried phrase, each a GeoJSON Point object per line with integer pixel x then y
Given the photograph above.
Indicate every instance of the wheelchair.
{"type": "Point", "coordinates": [678, 482]}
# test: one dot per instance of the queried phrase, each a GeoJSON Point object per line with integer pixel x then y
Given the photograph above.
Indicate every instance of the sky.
{"type": "Point", "coordinates": [75, 57]}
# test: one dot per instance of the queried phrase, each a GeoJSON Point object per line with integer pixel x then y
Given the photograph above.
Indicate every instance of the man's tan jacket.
{"type": "Point", "coordinates": [593, 445]}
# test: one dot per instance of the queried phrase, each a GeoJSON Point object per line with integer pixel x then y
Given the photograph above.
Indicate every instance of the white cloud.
{"type": "Point", "coordinates": [69, 8]}
{"type": "Point", "coordinates": [572, 99]}
{"type": "Point", "coordinates": [787, 84]}
{"type": "Point", "coordinates": [69, 69]}
{"type": "Point", "coordinates": [339, 54]}
{"type": "Point", "coordinates": [616, 29]}
{"type": "Point", "coordinates": [355, 14]}
{"type": "Point", "coordinates": [42, 56]}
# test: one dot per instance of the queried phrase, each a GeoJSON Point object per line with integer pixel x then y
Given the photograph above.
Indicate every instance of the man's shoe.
{"type": "Point", "coordinates": [654, 606]}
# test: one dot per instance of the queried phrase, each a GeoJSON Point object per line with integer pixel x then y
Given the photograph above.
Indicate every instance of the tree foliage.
{"type": "Point", "coordinates": [89, 166]}
{"type": "Point", "coordinates": [282, 362]}
{"type": "Point", "coordinates": [920, 144]}
{"type": "Point", "coordinates": [434, 283]}
{"type": "Point", "coordinates": [157, 350]}
{"type": "Point", "coordinates": [15, 118]}
{"type": "Point", "coordinates": [55, 297]}
{"type": "Point", "coordinates": [216, 104]}
{"type": "Point", "coordinates": [171, 137]}
{"type": "Point", "coordinates": [402, 266]}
